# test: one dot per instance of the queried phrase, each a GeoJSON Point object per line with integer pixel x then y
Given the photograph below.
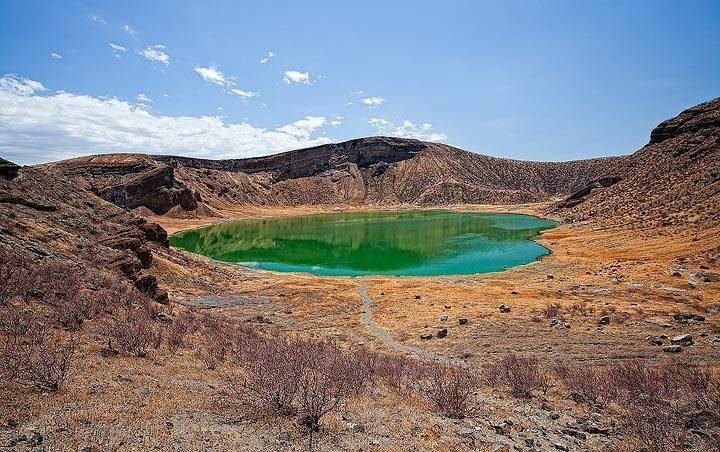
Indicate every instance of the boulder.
{"type": "Point", "coordinates": [687, 317]}
{"type": "Point", "coordinates": [8, 169]}
{"type": "Point", "coordinates": [504, 308]}
{"type": "Point", "coordinates": [682, 339]}
{"type": "Point", "coordinates": [442, 333]}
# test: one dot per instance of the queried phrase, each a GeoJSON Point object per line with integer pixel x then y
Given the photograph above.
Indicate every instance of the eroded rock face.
{"type": "Point", "coordinates": [8, 169]}
{"type": "Point", "coordinates": [155, 189]}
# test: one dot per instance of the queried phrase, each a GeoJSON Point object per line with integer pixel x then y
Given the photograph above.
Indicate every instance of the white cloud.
{"type": "Point", "coordinates": [19, 86]}
{"type": "Point", "coordinates": [267, 57]}
{"type": "Point", "coordinates": [117, 48]}
{"type": "Point", "coordinates": [143, 98]}
{"type": "Point", "coordinates": [155, 53]}
{"type": "Point", "coordinates": [35, 128]}
{"type": "Point", "coordinates": [373, 101]}
{"type": "Point", "coordinates": [406, 129]}
{"type": "Point", "coordinates": [337, 121]}
{"type": "Point", "coordinates": [94, 18]}
{"type": "Point", "coordinates": [213, 75]}
{"type": "Point", "coordinates": [128, 29]}
{"type": "Point", "coordinates": [296, 77]}
{"type": "Point", "coordinates": [216, 77]}
{"type": "Point", "coordinates": [56, 56]}
{"type": "Point", "coordinates": [243, 94]}
{"type": "Point", "coordinates": [302, 128]}
{"type": "Point", "coordinates": [347, 104]}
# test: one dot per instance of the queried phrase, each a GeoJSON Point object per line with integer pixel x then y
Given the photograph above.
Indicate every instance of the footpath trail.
{"type": "Point", "coordinates": [378, 332]}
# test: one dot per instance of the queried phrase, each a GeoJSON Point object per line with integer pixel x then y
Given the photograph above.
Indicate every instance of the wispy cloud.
{"type": "Point", "coordinates": [266, 58]}
{"type": "Point", "coordinates": [142, 97]}
{"type": "Point", "coordinates": [302, 128]}
{"type": "Point", "coordinates": [337, 121]}
{"type": "Point", "coordinates": [296, 77]}
{"type": "Point", "coordinates": [19, 86]}
{"type": "Point", "coordinates": [156, 54]}
{"type": "Point", "coordinates": [372, 101]}
{"type": "Point", "coordinates": [56, 56]}
{"type": "Point", "coordinates": [96, 19]}
{"type": "Point", "coordinates": [212, 75]}
{"type": "Point", "coordinates": [117, 49]}
{"type": "Point", "coordinates": [36, 128]}
{"type": "Point", "coordinates": [216, 77]}
{"type": "Point", "coordinates": [128, 29]}
{"type": "Point", "coordinates": [407, 129]}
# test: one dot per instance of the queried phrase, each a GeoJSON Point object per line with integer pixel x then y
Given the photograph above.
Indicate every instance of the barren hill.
{"type": "Point", "coordinates": [366, 171]}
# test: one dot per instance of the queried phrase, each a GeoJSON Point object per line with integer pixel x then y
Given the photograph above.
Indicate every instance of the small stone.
{"type": "Point", "coordinates": [447, 306]}
{"type": "Point", "coordinates": [499, 447]}
{"type": "Point", "coordinates": [466, 432]}
{"type": "Point", "coordinates": [164, 317]}
{"type": "Point", "coordinates": [550, 277]}
{"type": "Point", "coordinates": [504, 308]}
{"type": "Point", "coordinates": [687, 317]}
{"type": "Point", "coordinates": [673, 349]}
{"type": "Point", "coordinates": [530, 442]}
{"type": "Point", "coordinates": [703, 333]}
{"type": "Point", "coordinates": [554, 415]}
{"type": "Point", "coordinates": [560, 446]}
{"type": "Point", "coordinates": [382, 293]}
{"type": "Point", "coordinates": [417, 297]}
{"type": "Point", "coordinates": [682, 339]}
{"type": "Point", "coordinates": [463, 321]}
{"type": "Point", "coordinates": [604, 320]}
{"type": "Point", "coordinates": [716, 340]}
{"type": "Point", "coordinates": [36, 439]}
{"type": "Point", "coordinates": [426, 336]}
{"type": "Point", "coordinates": [443, 318]}
{"type": "Point", "coordinates": [442, 333]}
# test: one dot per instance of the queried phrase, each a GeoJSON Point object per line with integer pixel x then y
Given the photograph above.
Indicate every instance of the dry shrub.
{"type": "Point", "coordinates": [580, 309]}
{"type": "Point", "coordinates": [182, 325]}
{"type": "Point", "coordinates": [653, 423]}
{"type": "Point", "coordinates": [217, 341]}
{"type": "Point", "coordinates": [134, 332]}
{"type": "Point", "coordinates": [449, 388]}
{"type": "Point", "coordinates": [584, 383]}
{"type": "Point", "coordinates": [32, 353]}
{"type": "Point", "coordinates": [17, 277]}
{"type": "Point", "coordinates": [551, 310]}
{"type": "Point", "coordinates": [523, 374]}
{"type": "Point", "coordinates": [272, 377]}
{"type": "Point", "coordinates": [399, 373]}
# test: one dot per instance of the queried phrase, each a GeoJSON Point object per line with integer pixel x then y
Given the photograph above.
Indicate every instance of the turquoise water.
{"type": "Point", "coordinates": [426, 242]}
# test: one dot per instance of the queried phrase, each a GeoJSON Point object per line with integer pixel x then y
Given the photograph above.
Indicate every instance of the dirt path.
{"type": "Point", "coordinates": [378, 332]}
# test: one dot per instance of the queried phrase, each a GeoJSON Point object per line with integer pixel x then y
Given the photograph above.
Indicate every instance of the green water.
{"type": "Point", "coordinates": [428, 242]}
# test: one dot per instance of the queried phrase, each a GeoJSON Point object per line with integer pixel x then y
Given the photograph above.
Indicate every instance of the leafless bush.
{"type": "Point", "coordinates": [215, 344]}
{"type": "Point", "coordinates": [584, 383]}
{"type": "Point", "coordinates": [33, 354]}
{"type": "Point", "coordinates": [135, 332]}
{"type": "Point", "coordinates": [46, 360]}
{"type": "Point", "coordinates": [449, 388]}
{"type": "Point", "coordinates": [399, 373]}
{"type": "Point", "coordinates": [551, 310]}
{"type": "Point", "coordinates": [272, 379]}
{"type": "Point", "coordinates": [323, 384]}
{"type": "Point", "coordinates": [523, 374]}
{"type": "Point", "coordinates": [17, 277]}
{"type": "Point", "coordinates": [182, 325]}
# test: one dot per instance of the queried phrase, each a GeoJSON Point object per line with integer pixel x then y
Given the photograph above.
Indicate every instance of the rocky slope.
{"type": "Point", "coordinates": [368, 171]}
{"type": "Point", "coordinates": [43, 214]}
{"type": "Point", "coordinates": [673, 180]}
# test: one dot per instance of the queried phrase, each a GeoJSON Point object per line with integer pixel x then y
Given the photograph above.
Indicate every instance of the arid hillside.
{"type": "Point", "coordinates": [367, 171]}
{"type": "Point", "coordinates": [673, 180]}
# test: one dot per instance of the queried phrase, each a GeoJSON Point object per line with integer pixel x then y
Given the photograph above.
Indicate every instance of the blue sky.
{"type": "Point", "coordinates": [553, 80]}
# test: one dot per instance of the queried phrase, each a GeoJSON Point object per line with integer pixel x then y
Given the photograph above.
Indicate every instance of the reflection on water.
{"type": "Point", "coordinates": [430, 242]}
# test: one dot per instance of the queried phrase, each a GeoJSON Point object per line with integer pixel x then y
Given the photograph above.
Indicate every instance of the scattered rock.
{"type": "Point", "coordinates": [466, 432]}
{"type": "Point", "coordinates": [655, 341]}
{"type": "Point", "coordinates": [164, 317]}
{"type": "Point", "coordinates": [682, 339]}
{"type": "Point", "coordinates": [503, 428]}
{"type": "Point", "coordinates": [574, 433]}
{"type": "Point", "coordinates": [443, 318]}
{"type": "Point", "coordinates": [554, 415]}
{"type": "Point", "coordinates": [499, 447]}
{"type": "Point", "coordinates": [382, 293]}
{"type": "Point", "coordinates": [35, 440]}
{"type": "Point", "coordinates": [426, 336]}
{"type": "Point", "coordinates": [604, 320]}
{"type": "Point", "coordinates": [550, 277]}
{"type": "Point", "coordinates": [463, 321]}
{"type": "Point", "coordinates": [417, 297]}
{"type": "Point", "coordinates": [687, 317]}
{"type": "Point", "coordinates": [442, 333]}
{"type": "Point", "coordinates": [672, 348]}
{"type": "Point", "coordinates": [560, 446]}
{"type": "Point", "coordinates": [504, 308]}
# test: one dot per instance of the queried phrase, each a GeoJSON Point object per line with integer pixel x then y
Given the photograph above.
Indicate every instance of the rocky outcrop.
{"type": "Point", "coordinates": [44, 214]}
{"type": "Point", "coordinates": [580, 196]}
{"type": "Point", "coordinates": [155, 189]}
{"type": "Point", "coordinates": [8, 169]}
{"type": "Point", "coordinates": [673, 180]}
